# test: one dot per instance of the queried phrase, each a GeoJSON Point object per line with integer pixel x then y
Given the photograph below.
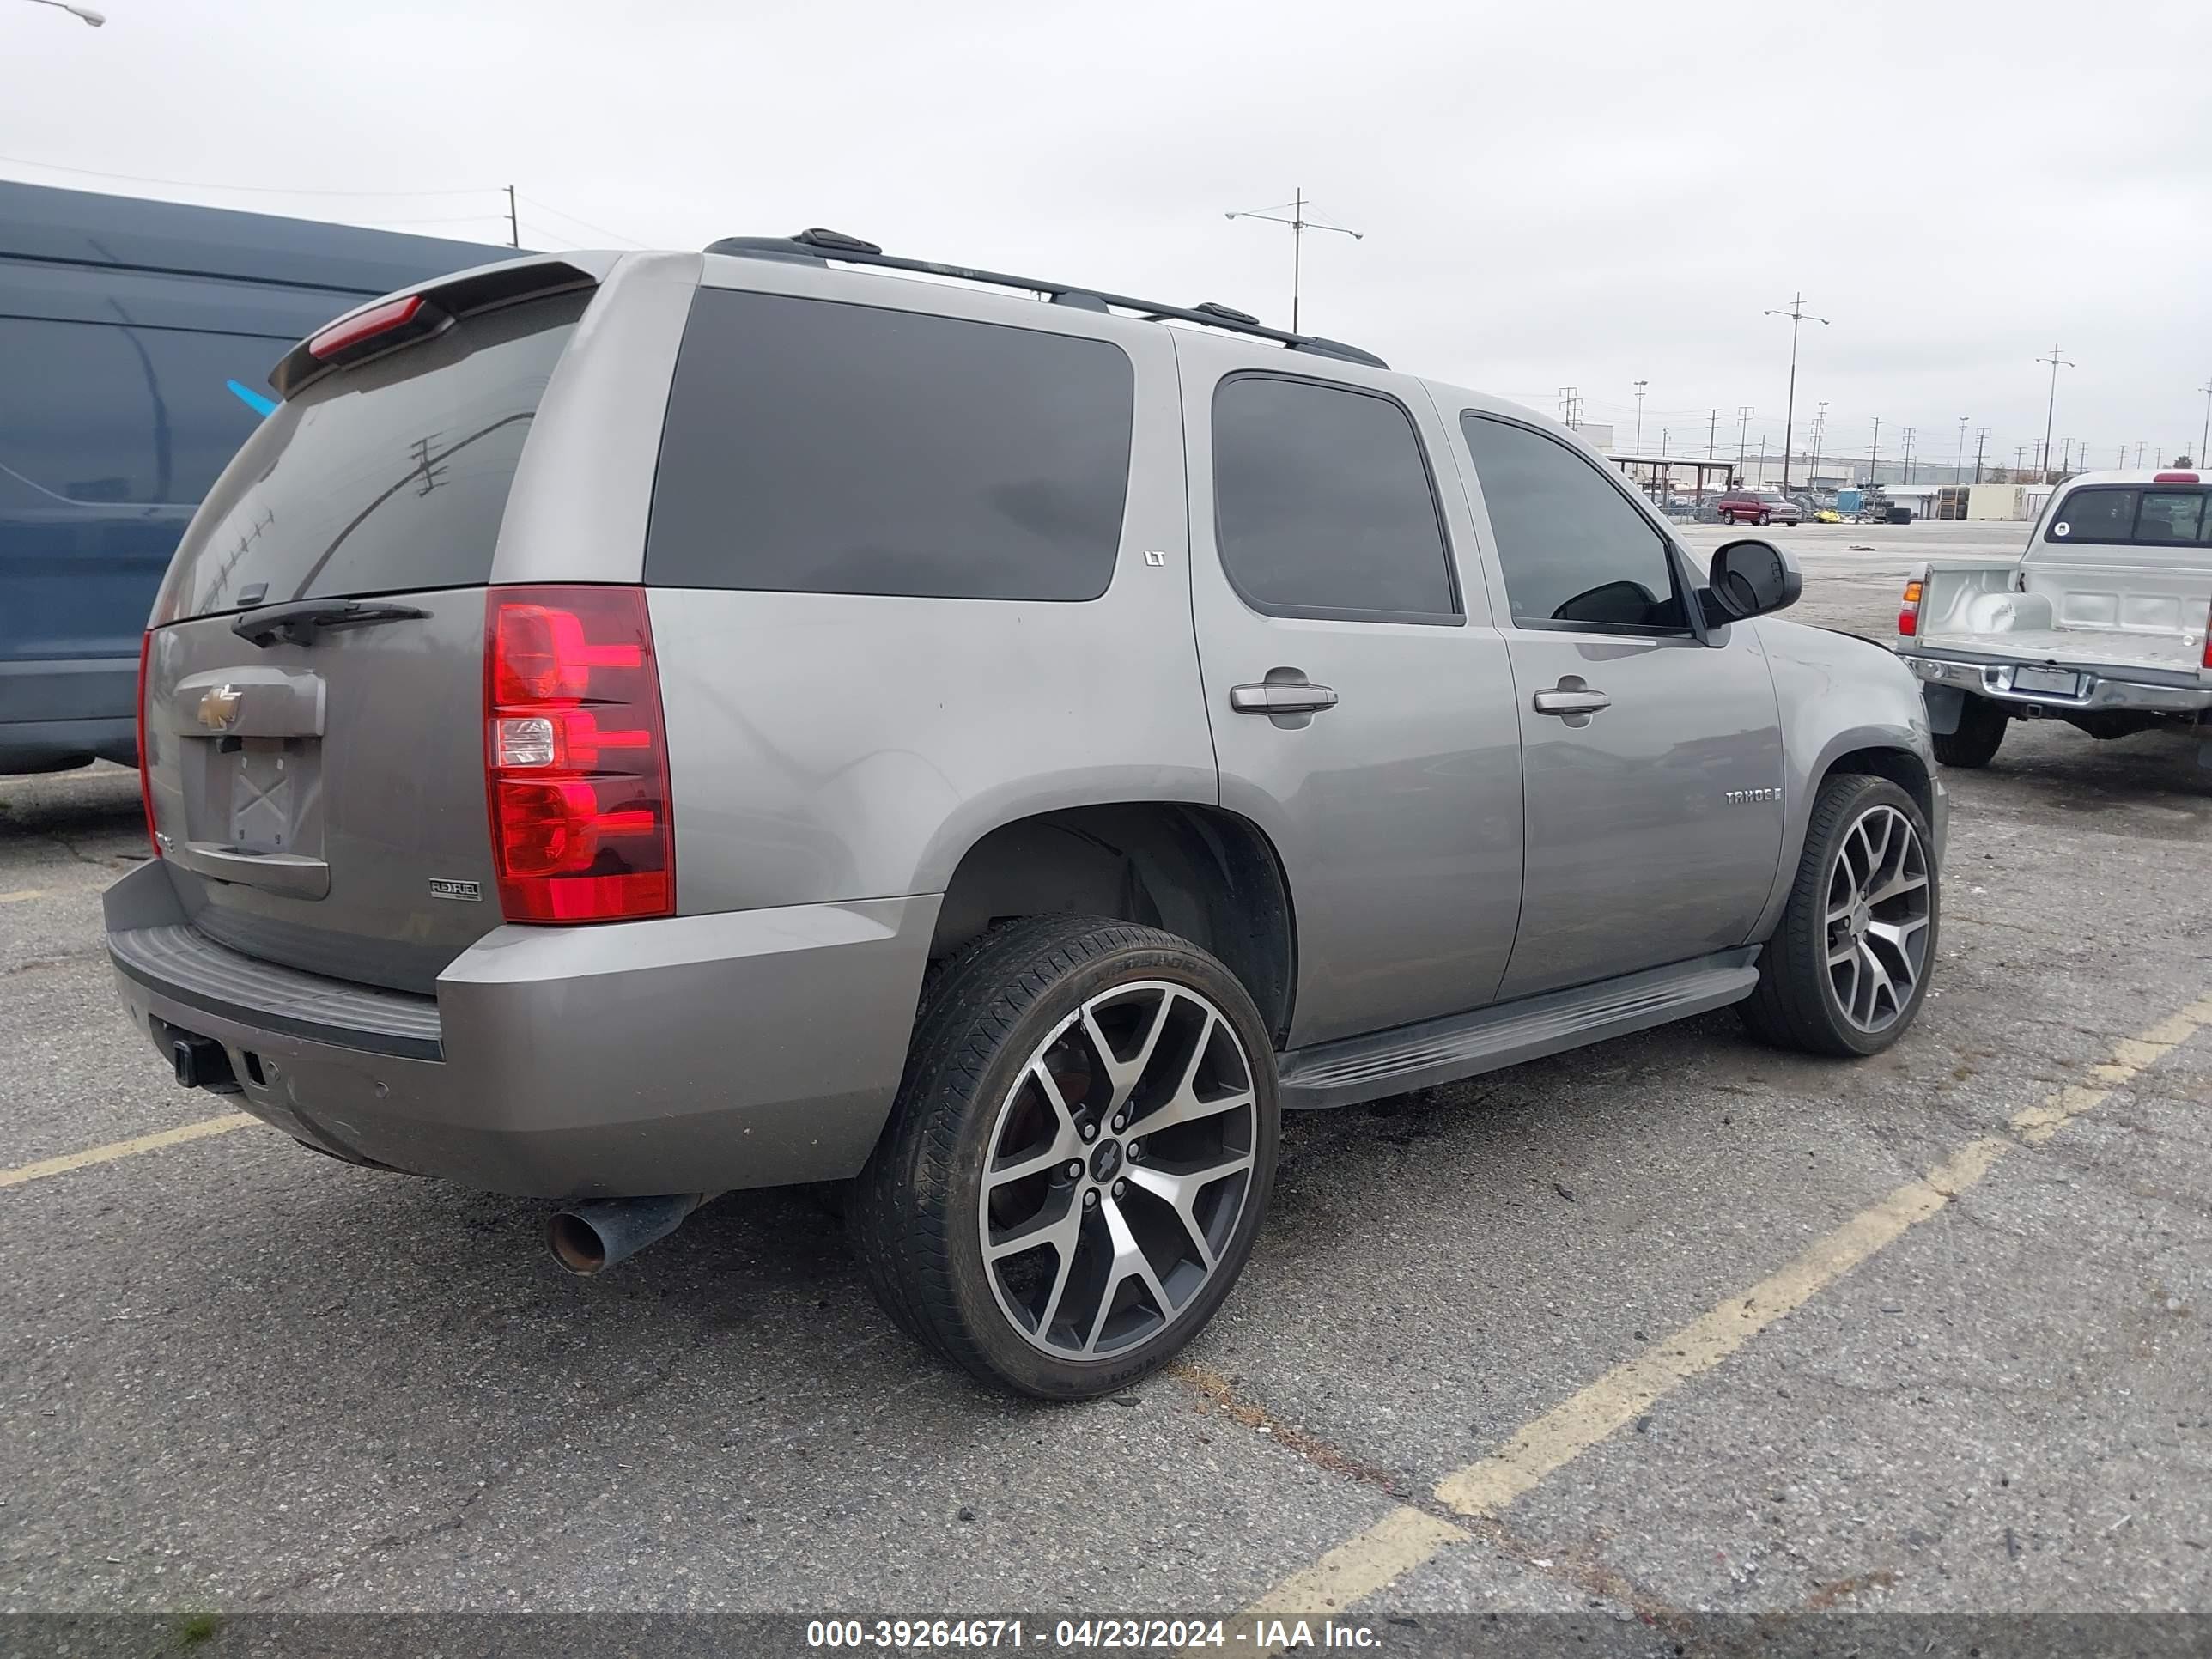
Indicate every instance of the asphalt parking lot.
{"type": "Point", "coordinates": [1674, 1324]}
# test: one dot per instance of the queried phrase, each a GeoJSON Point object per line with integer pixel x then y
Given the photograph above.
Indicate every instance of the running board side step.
{"type": "Point", "coordinates": [1354, 1069]}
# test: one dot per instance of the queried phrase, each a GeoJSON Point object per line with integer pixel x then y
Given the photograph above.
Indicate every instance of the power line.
{"type": "Point", "coordinates": [259, 190]}
{"type": "Point", "coordinates": [560, 214]}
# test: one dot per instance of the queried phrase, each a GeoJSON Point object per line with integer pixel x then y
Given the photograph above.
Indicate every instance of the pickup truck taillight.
{"type": "Point", "coordinates": [1908, 612]}
{"type": "Point", "coordinates": [2208, 636]}
{"type": "Point", "coordinates": [576, 756]}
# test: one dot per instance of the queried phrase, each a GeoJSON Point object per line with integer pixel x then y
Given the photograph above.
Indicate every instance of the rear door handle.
{"type": "Point", "coordinates": [1281, 697]}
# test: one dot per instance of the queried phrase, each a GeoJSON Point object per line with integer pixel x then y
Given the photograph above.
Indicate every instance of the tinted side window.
{"type": "Point", "coordinates": [2094, 515]}
{"type": "Point", "coordinates": [1573, 548]}
{"type": "Point", "coordinates": [814, 446]}
{"type": "Point", "coordinates": [93, 412]}
{"type": "Point", "coordinates": [1323, 504]}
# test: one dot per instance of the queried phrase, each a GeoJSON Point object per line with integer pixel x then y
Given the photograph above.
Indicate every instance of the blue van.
{"type": "Point", "coordinates": [136, 341]}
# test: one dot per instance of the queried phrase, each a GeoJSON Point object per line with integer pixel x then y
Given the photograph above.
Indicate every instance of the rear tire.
{"type": "Point", "coordinates": [1103, 1089]}
{"type": "Point", "coordinates": [1860, 921]}
{"type": "Point", "coordinates": [1981, 729]}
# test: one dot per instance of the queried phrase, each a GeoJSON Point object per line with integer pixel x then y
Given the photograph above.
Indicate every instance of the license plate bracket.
{"type": "Point", "coordinates": [2057, 682]}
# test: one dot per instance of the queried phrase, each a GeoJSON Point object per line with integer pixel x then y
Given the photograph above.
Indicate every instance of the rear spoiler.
{"type": "Point", "coordinates": [428, 310]}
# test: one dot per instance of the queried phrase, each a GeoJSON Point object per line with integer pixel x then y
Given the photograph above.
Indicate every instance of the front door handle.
{"type": "Point", "coordinates": [1281, 697]}
{"type": "Point", "coordinates": [1573, 700]}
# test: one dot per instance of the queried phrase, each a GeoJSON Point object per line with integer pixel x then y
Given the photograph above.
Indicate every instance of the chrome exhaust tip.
{"type": "Point", "coordinates": [589, 1238]}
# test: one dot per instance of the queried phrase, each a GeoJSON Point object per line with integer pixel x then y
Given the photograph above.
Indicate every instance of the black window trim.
{"type": "Point", "coordinates": [1679, 568]}
{"type": "Point", "coordinates": [1456, 617]}
{"type": "Point", "coordinates": [2134, 537]}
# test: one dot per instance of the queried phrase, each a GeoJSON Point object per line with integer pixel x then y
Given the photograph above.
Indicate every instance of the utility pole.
{"type": "Point", "coordinates": [1909, 431]}
{"type": "Point", "coordinates": [1958, 462]}
{"type": "Point", "coordinates": [2139, 450]}
{"type": "Point", "coordinates": [1797, 314]}
{"type": "Point", "coordinates": [1299, 224]}
{"type": "Point", "coordinates": [1568, 411]}
{"type": "Point", "coordinates": [1712, 431]}
{"type": "Point", "coordinates": [2018, 459]}
{"type": "Point", "coordinates": [2057, 363]}
{"type": "Point", "coordinates": [2205, 436]}
{"type": "Point", "coordinates": [1743, 413]}
{"type": "Point", "coordinates": [1640, 384]}
{"type": "Point", "coordinates": [1874, 453]}
{"type": "Point", "coordinates": [513, 220]}
{"type": "Point", "coordinates": [1819, 429]}
{"type": "Point", "coordinates": [1981, 437]}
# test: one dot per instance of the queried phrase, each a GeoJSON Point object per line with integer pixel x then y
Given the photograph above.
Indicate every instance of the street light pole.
{"type": "Point", "coordinates": [1796, 314]}
{"type": "Point", "coordinates": [1300, 224]}
{"type": "Point", "coordinates": [2057, 362]}
{"type": "Point", "coordinates": [92, 18]}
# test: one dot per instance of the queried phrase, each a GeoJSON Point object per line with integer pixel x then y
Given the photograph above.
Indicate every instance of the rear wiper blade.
{"type": "Point", "coordinates": [301, 621]}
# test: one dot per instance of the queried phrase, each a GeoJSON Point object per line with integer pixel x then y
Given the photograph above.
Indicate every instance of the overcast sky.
{"type": "Point", "coordinates": [1552, 194]}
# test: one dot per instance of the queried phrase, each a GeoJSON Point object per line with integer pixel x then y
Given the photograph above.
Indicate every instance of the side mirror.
{"type": "Point", "coordinates": [1750, 579]}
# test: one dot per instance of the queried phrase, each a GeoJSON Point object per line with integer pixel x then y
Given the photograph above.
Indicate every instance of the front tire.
{"type": "Point", "coordinates": [1848, 964]}
{"type": "Point", "coordinates": [1981, 728]}
{"type": "Point", "coordinates": [1079, 1159]}
{"type": "Point", "coordinates": [1762, 520]}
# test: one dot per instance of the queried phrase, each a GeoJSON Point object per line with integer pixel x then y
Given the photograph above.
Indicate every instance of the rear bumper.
{"type": "Point", "coordinates": [2104, 688]}
{"type": "Point", "coordinates": [752, 1048]}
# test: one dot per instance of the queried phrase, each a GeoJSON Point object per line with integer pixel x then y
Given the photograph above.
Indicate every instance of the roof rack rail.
{"type": "Point", "coordinates": [819, 247]}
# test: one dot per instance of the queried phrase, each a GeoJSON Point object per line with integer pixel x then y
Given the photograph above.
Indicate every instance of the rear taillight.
{"type": "Point", "coordinates": [1908, 610]}
{"type": "Point", "coordinates": [576, 756]}
{"type": "Point", "coordinates": [145, 760]}
{"type": "Point", "coordinates": [2208, 636]}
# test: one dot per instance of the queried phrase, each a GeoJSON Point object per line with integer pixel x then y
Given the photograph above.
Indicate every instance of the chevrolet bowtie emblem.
{"type": "Point", "coordinates": [219, 707]}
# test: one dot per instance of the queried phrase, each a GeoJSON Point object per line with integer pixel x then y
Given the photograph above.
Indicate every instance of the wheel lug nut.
{"type": "Point", "coordinates": [1136, 1150]}
{"type": "Point", "coordinates": [1090, 1132]}
{"type": "Point", "coordinates": [1075, 1170]}
{"type": "Point", "coordinates": [1120, 1123]}
{"type": "Point", "coordinates": [1119, 1188]}
{"type": "Point", "coordinates": [1090, 1199]}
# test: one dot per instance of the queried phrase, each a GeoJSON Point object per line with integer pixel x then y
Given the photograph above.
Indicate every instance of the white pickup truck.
{"type": "Point", "coordinates": [2101, 622]}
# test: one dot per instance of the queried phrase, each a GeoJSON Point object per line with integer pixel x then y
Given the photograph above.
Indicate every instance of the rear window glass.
{"type": "Point", "coordinates": [817, 446]}
{"type": "Point", "coordinates": [389, 477]}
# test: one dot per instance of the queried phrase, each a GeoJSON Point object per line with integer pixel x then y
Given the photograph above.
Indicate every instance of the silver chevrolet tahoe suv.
{"type": "Point", "coordinates": [632, 727]}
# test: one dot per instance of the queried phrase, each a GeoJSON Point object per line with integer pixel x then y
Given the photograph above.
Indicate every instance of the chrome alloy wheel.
{"type": "Point", "coordinates": [1877, 918]}
{"type": "Point", "coordinates": [1117, 1171]}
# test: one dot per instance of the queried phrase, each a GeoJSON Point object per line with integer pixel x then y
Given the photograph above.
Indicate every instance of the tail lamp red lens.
{"type": "Point", "coordinates": [145, 760]}
{"type": "Point", "coordinates": [2175, 477]}
{"type": "Point", "coordinates": [576, 756]}
{"type": "Point", "coordinates": [1908, 613]}
{"type": "Point", "coordinates": [2208, 636]}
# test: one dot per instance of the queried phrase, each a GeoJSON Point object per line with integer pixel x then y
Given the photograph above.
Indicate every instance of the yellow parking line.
{"type": "Point", "coordinates": [1407, 1538]}
{"type": "Point", "coordinates": [113, 1150]}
